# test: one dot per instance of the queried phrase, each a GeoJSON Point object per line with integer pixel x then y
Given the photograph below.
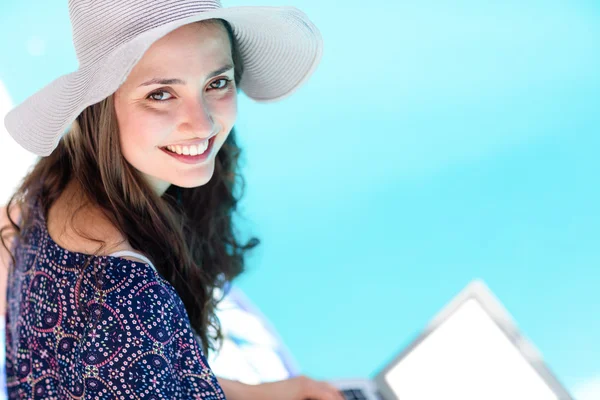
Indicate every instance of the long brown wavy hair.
{"type": "Point", "coordinates": [188, 233]}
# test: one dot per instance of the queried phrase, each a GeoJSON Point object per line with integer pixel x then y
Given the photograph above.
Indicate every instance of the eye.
{"type": "Point", "coordinates": [158, 96]}
{"type": "Point", "coordinates": [224, 84]}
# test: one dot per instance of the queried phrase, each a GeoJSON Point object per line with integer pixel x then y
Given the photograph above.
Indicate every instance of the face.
{"type": "Point", "coordinates": [179, 98]}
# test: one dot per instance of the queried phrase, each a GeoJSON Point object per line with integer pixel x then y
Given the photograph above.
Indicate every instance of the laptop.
{"type": "Point", "coordinates": [472, 350]}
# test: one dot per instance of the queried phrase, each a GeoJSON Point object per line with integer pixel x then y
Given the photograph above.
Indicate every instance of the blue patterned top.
{"type": "Point", "coordinates": [116, 330]}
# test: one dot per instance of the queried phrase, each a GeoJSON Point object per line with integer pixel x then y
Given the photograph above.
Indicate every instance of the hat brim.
{"type": "Point", "coordinates": [279, 46]}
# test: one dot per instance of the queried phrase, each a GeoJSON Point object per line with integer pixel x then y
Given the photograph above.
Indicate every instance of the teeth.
{"type": "Point", "coordinates": [189, 150]}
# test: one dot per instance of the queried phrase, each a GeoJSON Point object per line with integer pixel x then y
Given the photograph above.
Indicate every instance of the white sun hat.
{"type": "Point", "coordinates": [280, 48]}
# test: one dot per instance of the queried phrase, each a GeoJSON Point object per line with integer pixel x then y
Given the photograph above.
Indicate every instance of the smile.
{"type": "Point", "coordinates": [191, 150]}
{"type": "Point", "coordinates": [194, 154]}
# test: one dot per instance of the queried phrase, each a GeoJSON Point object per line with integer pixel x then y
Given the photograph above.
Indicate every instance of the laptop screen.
{"type": "Point", "coordinates": [467, 357]}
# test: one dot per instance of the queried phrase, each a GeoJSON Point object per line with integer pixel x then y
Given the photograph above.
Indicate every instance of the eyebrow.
{"type": "Point", "coordinates": [175, 81]}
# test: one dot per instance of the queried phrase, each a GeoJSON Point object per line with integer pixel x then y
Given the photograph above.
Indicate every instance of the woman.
{"type": "Point", "coordinates": [121, 234]}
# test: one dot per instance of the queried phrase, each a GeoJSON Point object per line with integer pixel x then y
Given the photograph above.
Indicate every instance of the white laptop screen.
{"type": "Point", "coordinates": [467, 357]}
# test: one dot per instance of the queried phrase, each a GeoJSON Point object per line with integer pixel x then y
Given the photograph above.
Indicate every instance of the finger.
{"type": "Point", "coordinates": [318, 391]}
{"type": "Point", "coordinates": [325, 391]}
{"type": "Point", "coordinates": [333, 391]}
{"type": "Point", "coordinates": [338, 395]}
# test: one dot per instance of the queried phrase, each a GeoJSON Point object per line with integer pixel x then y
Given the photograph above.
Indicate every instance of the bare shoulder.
{"type": "Point", "coordinates": [72, 231]}
{"type": "Point", "coordinates": [65, 235]}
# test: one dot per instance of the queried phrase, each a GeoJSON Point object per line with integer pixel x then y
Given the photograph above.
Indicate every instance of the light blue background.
{"type": "Point", "coordinates": [436, 143]}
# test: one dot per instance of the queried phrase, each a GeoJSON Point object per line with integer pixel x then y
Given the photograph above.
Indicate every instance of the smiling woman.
{"type": "Point", "coordinates": [119, 238]}
{"type": "Point", "coordinates": [83, 202]}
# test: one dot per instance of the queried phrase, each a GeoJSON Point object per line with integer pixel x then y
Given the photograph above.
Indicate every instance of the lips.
{"type": "Point", "coordinates": [191, 150]}
{"type": "Point", "coordinates": [197, 159]}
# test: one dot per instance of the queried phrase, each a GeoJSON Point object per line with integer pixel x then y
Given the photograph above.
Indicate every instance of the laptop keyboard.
{"type": "Point", "coordinates": [354, 394]}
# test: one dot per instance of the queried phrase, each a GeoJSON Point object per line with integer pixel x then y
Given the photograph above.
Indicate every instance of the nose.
{"type": "Point", "coordinates": [197, 120]}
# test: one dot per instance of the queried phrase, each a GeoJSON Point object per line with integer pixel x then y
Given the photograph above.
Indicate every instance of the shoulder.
{"type": "Point", "coordinates": [139, 334]}
{"type": "Point", "coordinates": [79, 229]}
{"type": "Point", "coordinates": [136, 295]}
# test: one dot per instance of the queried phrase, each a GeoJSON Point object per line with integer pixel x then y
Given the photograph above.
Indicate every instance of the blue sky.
{"type": "Point", "coordinates": [436, 143]}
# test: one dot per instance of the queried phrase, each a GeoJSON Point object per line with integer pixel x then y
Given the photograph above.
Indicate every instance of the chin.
{"type": "Point", "coordinates": [198, 178]}
{"type": "Point", "coordinates": [192, 184]}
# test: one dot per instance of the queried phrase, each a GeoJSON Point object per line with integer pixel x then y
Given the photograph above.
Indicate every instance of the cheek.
{"type": "Point", "coordinates": [142, 131]}
{"type": "Point", "coordinates": [227, 117]}
{"type": "Point", "coordinates": [228, 112]}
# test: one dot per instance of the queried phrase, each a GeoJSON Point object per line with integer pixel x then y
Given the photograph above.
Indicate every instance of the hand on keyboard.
{"type": "Point", "coordinates": [297, 388]}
